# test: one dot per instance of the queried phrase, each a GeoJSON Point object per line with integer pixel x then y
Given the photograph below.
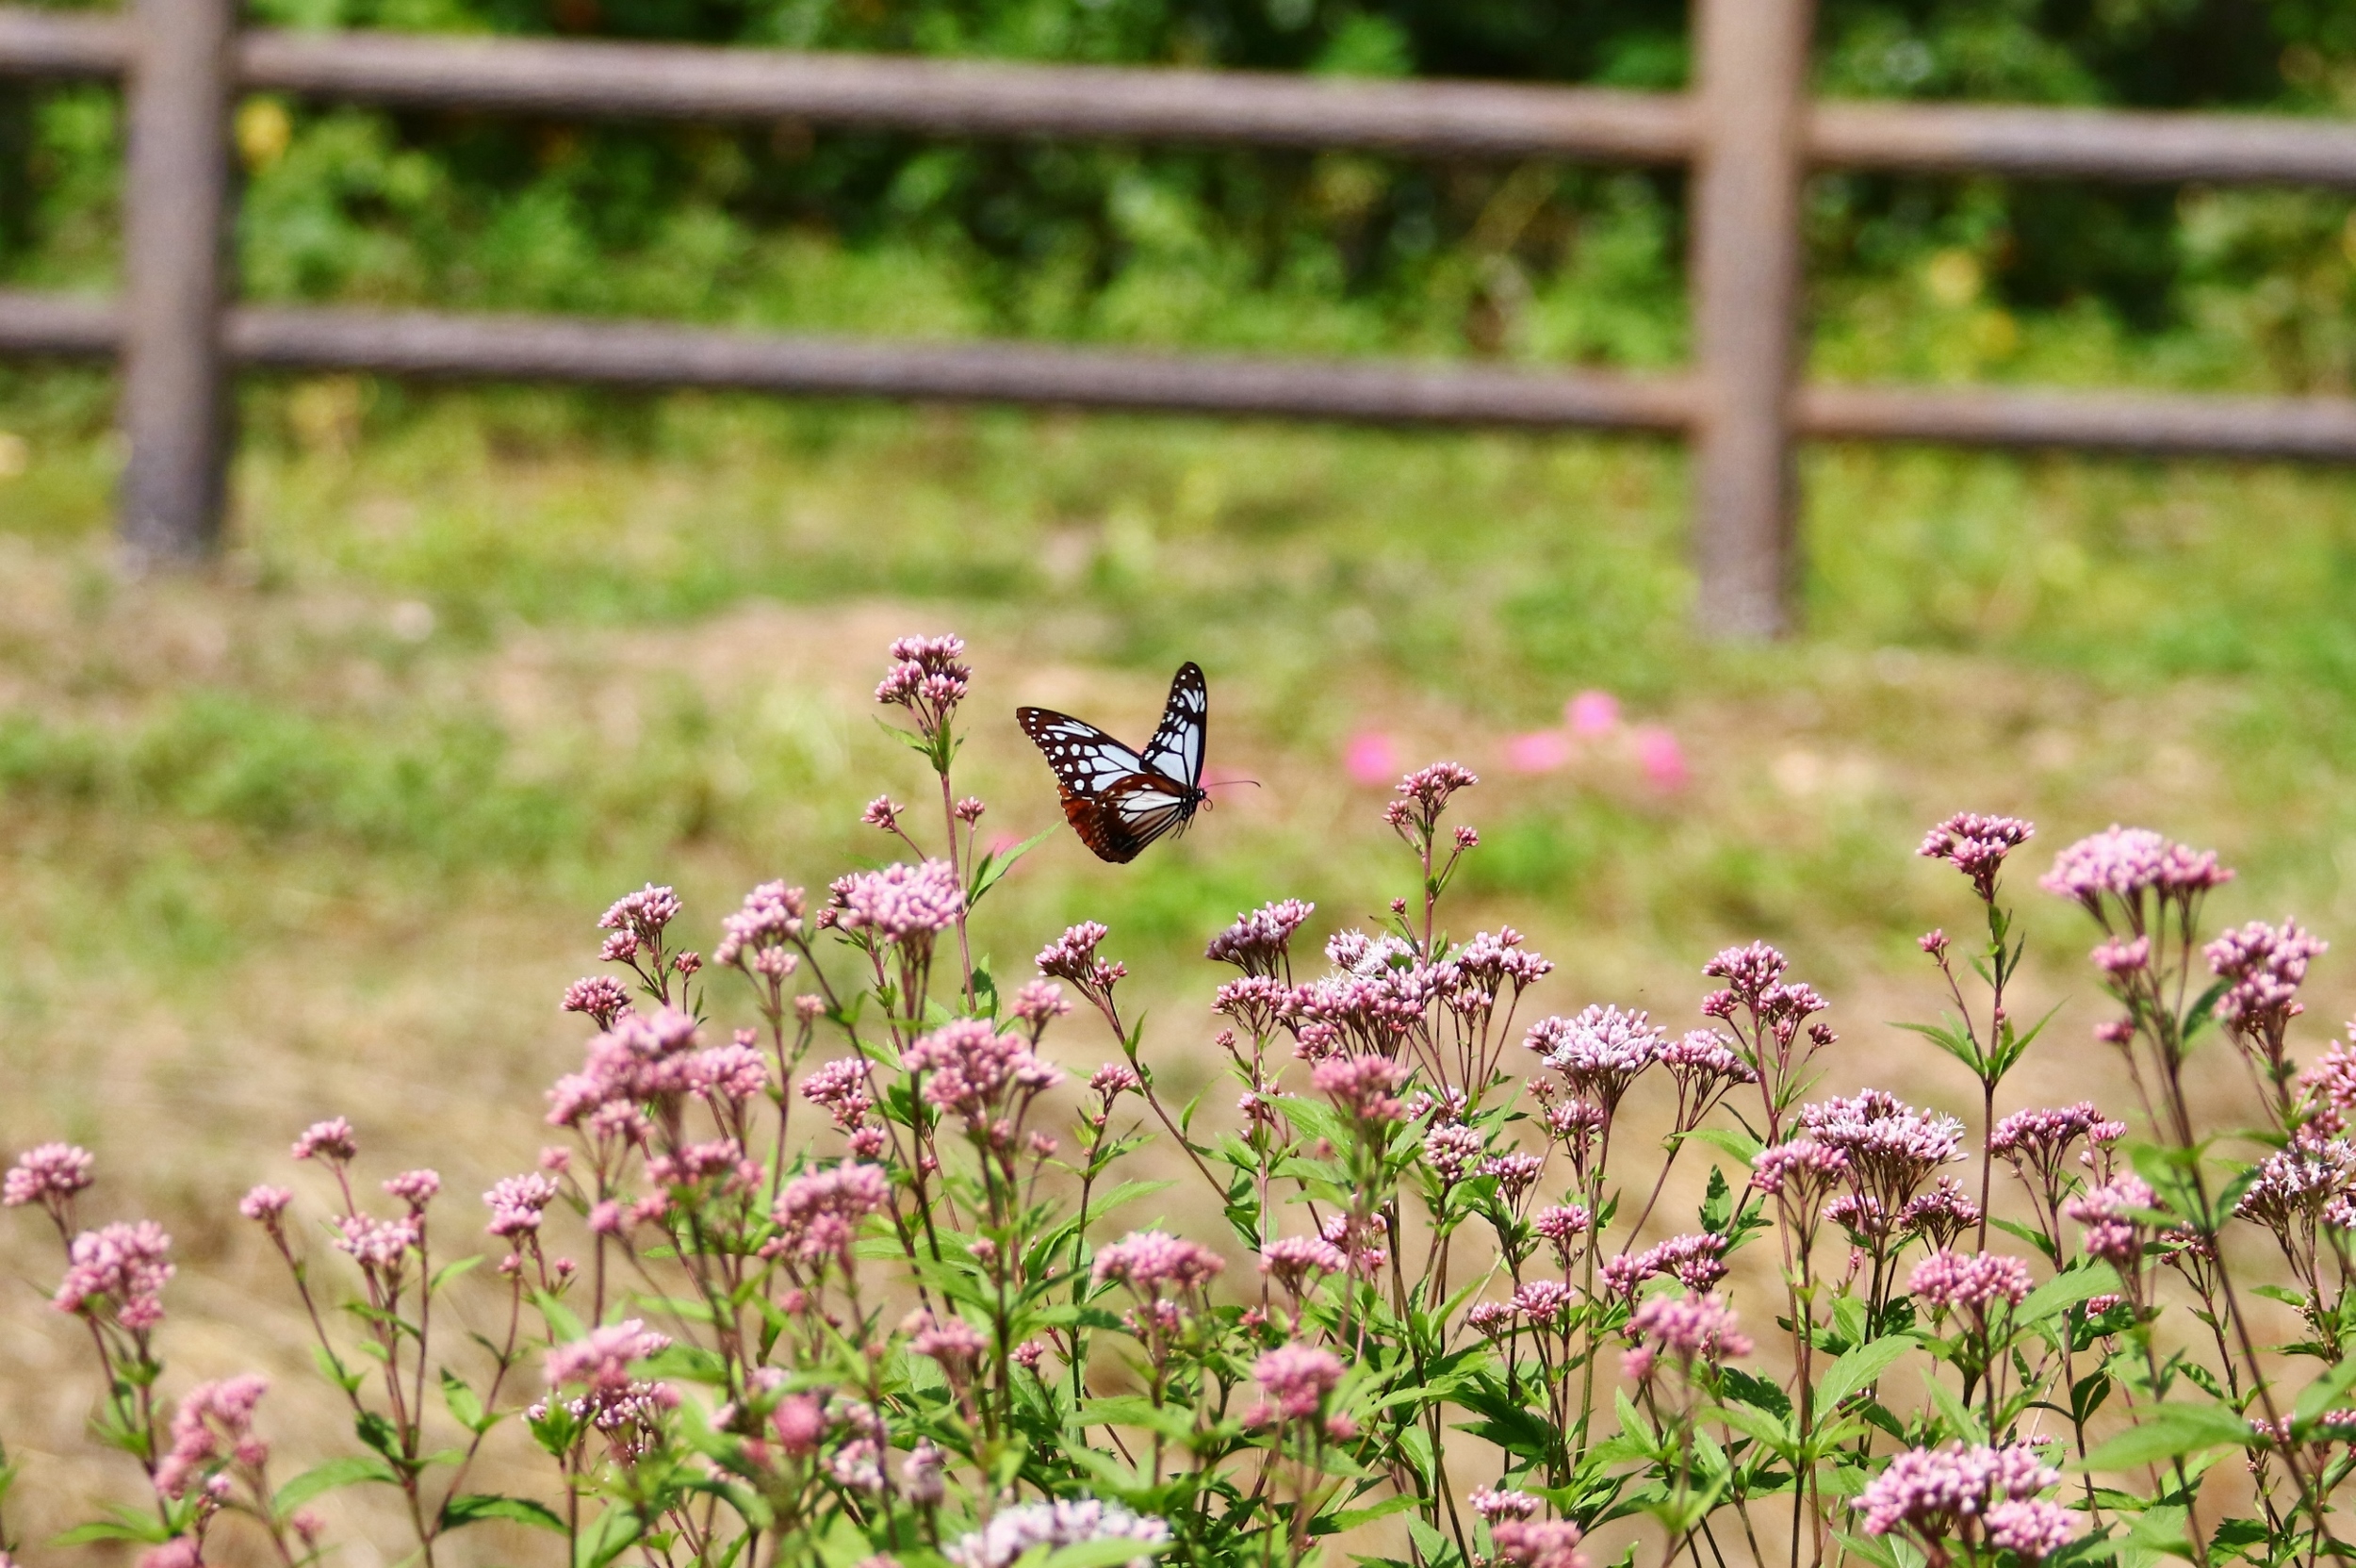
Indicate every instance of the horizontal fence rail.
{"type": "Point", "coordinates": [636, 354]}
{"type": "Point", "coordinates": [1747, 129]}
{"type": "Point", "coordinates": [584, 78]}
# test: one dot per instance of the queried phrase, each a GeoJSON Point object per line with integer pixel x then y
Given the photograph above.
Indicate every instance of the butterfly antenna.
{"type": "Point", "coordinates": [1222, 783]}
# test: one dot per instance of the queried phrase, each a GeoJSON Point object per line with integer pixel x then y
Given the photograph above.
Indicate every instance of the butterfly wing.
{"type": "Point", "coordinates": [1175, 751]}
{"type": "Point", "coordinates": [1114, 800]}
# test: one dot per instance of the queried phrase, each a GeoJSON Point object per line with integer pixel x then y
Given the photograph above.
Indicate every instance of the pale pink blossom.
{"type": "Point", "coordinates": [1538, 751]}
{"type": "Point", "coordinates": [1371, 759]}
{"type": "Point", "coordinates": [1592, 715]}
{"type": "Point", "coordinates": [1297, 1379]}
{"type": "Point", "coordinates": [49, 1174]}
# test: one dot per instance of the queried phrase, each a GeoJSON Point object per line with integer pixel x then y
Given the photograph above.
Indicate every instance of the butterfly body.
{"type": "Point", "coordinates": [1120, 800]}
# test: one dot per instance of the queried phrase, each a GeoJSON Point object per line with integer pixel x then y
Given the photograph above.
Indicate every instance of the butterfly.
{"type": "Point", "coordinates": [1119, 800]}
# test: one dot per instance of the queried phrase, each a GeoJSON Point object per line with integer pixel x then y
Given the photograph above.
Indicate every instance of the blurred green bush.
{"type": "Point", "coordinates": [786, 225]}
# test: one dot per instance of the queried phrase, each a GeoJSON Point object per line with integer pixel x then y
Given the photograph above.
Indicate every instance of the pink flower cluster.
{"type": "Point", "coordinates": [643, 914]}
{"type": "Point", "coordinates": [757, 935]}
{"type": "Point", "coordinates": [643, 1057]}
{"type": "Point", "coordinates": [2263, 966]}
{"type": "Point", "coordinates": [600, 996]}
{"type": "Point", "coordinates": [2328, 1092]}
{"type": "Point", "coordinates": [125, 1266]}
{"type": "Point", "coordinates": [980, 1075]}
{"type": "Point", "coordinates": [1938, 1494]}
{"type": "Point", "coordinates": [818, 1213]}
{"type": "Point", "coordinates": [899, 904]}
{"type": "Point", "coordinates": [1424, 795]}
{"type": "Point", "coordinates": [2114, 1233]}
{"type": "Point", "coordinates": [2127, 862]}
{"type": "Point", "coordinates": [1364, 1089]}
{"type": "Point", "coordinates": [1291, 1260]}
{"type": "Point", "coordinates": [1453, 1151]}
{"type": "Point", "coordinates": [48, 1175]}
{"type": "Point", "coordinates": [1696, 1262]}
{"type": "Point", "coordinates": [1971, 1282]}
{"type": "Point", "coordinates": [1537, 1544]}
{"type": "Point", "coordinates": [1073, 957]}
{"type": "Point", "coordinates": [1893, 1149]}
{"type": "Point", "coordinates": [2312, 1180]}
{"type": "Point", "coordinates": [1800, 1170]}
{"type": "Point", "coordinates": [1689, 1330]}
{"type": "Point", "coordinates": [1259, 944]}
{"type": "Point", "coordinates": [1600, 1052]}
{"type": "Point", "coordinates": [2039, 1140]}
{"type": "Point", "coordinates": [928, 677]}
{"type": "Point", "coordinates": [517, 1204]}
{"type": "Point", "coordinates": [215, 1421]}
{"type": "Point", "coordinates": [602, 1361]}
{"type": "Point", "coordinates": [330, 1141]}
{"type": "Point", "coordinates": [1296, 1380]}
{"type": "Point", "coordinates": [1976, 845]}
{"type": "Point", "coordinates": [1147, 1260]}
{"type": "Point", "coordinates": [1015, 1532]}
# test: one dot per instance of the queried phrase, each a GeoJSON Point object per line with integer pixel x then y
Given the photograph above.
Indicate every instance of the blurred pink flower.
{"type": "Point", "coordinates": [1661, 757]}
{"type": "Point", "coordinates": [1592, 713]}
{"type": "Point", "coordinates": [1539, 751]}
{"type": "Point", "coordinates": [1371, 758]}
{"type": "Point", "coordinates": [1000, 842]}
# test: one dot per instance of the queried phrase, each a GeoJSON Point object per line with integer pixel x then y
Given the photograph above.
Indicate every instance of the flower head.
{"type": "Point", "coordinates": [819, 1212]}
{"type": "Point", "coordinates": [1600, 1052]}
{"type": "Point", "coordinates": [1537, 1544]}
{"type": "Point", "coordinates": [899, 904]}
{"type": "Point", "coordinates": [329, 1140]}
{"type": "Point", "coordinates": [2128, 863]}
{"type": "Point", "coordinates": [1938, 1494]}
{"type": "Point", "coordinates": [1976, 845]}
{"type": "Point", "coordinates": [1364, 1089]}
{"type": "Point", "coordinates": [929, 678]}
{"type": "Point", "coordinates": [49, 1175]}
{"type": "Point", "coordinates": [1014, 1532]}
{"type": "Point", "coordinates": [1145, 1261]}
{"type": "Point", "coordinates": [1258, 942]}
{"type": "Point", "coordinates": [642, 914]}
{"type": "Point", "coordinates": [516, 1204]}
{"type": "Point", "coordinates": [600, 996]}
{"type": "Point", "coordinates": [1296, 1378]}
{"type": "Point", "coordinates": [769, 922]}
{"type": "Point", "coordinates": [1969, 1281]}
{"type": "Point", "coordinates": [123, 1267]}
{"type": "Point", "coordinates": [213, 1426]}
{"type": "Point", "coordinates": [1690, 1330]}
{"type": "Point", "coordinates": [602, 1361]}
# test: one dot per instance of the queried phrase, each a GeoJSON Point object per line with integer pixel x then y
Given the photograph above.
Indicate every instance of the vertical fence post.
{"type": "Point", "coordinates": [1751, 69]}
{"type": "Point", "coordinates": [175, 397]}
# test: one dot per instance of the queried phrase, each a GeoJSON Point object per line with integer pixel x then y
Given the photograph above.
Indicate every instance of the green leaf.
{"type": "Point", "coordinates": [993, 868]}
{"type": "Point", "coordinates": [1741, 1145]}
{"type": "Point", "coordinates": [475, 1507]}
{"type": "Point", "coordinates": [450, 1271]}
{"type": "Point", "coordinates": [465, 1407]}
{"type": "Point", "coordinates": [1103, 1554]}
{"type": "Point", "coordinates": [125, 1524]}
{"type": "Point", "coordinates": [1349, 1519]}
{"type": "Point", "coordinates": [609, 1535]}
{"type": "Point", "coordinates": [1857, 1368]}
{"type": "Point", "coordinates": [379, 1434]}
{"type": "Point", "coordinates": [2168, 1431]}
{"type": "Point", "coordinates": [2063, 1291]}
{"type": "Point", "coordinates": [355, 1470]}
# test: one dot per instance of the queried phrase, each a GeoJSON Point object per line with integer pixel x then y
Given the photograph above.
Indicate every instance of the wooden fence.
{"type": "Point", "coordinates": [1748, 128]}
